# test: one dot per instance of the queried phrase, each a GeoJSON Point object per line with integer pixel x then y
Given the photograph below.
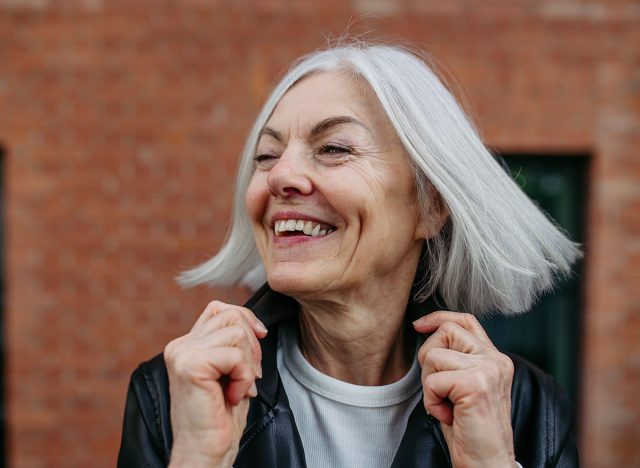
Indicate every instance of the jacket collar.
{"type": "Point", "coordinates": [271, 308]}
{"type": "Point", "coordinates": [423, 443]}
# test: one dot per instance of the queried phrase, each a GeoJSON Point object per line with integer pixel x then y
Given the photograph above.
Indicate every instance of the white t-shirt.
{"type": "Point", "coordinates": [341, 424]}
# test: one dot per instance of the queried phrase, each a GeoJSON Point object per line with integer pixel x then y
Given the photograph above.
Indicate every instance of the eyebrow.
{"type": "Point", "coordinates": [318, 128]}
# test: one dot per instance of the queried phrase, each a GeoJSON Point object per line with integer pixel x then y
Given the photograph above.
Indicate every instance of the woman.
{"type": "Point", "coordinates": [368, 199]}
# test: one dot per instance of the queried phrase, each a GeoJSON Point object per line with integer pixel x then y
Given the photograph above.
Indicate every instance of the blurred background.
{"type": "Point", "coordinates": [120, 127]}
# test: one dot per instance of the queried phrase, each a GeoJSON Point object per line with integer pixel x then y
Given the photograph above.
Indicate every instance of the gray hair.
{"type": "Point", "coordinates": [497, 251]}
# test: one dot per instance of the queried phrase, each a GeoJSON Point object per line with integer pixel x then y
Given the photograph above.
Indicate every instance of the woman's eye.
{"type": "Point", "coordinates": [334, 150]}
{"type": "Point", "coordinates": [263, 158]}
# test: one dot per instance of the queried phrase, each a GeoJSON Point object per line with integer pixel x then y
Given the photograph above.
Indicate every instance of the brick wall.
{"type": "Point", "coordinates": [121, 123]}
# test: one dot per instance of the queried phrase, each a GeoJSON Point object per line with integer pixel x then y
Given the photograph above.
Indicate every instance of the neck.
{"type": "Point", "coordinates": [365, 342]}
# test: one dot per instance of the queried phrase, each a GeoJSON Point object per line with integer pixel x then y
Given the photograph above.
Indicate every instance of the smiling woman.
{"type": "Point", "coordinates": [330, 156]}
{"type": "Point", "coordinates": [367, 199]}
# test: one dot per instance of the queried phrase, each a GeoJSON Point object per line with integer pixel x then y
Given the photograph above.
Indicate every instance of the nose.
{"type": "Point", "coordinates": [290, 175]}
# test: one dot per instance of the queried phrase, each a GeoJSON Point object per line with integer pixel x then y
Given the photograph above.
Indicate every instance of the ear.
{"type": "Point", "coordinates": [434, 217]}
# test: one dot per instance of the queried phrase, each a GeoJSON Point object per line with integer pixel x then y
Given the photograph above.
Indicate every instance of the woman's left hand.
{"type": "Point", "coordinates": [467, 387]}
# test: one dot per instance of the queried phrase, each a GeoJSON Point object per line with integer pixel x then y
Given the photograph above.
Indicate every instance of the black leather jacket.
{"type": "Point", "coordinates": [541, 416]}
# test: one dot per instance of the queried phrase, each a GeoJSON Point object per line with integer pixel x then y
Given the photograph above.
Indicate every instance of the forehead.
{"type": "Point", "coordinates": [327, 94]}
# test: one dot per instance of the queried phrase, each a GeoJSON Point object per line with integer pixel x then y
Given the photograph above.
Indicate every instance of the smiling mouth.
{"type": "Point", "coordinates": [296, 227]}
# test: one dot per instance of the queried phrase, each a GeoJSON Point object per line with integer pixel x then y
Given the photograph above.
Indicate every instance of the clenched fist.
{"type": "Point", "coordinates": [467, 386]}
{"type": "Point", "coordinates": [212, 372]}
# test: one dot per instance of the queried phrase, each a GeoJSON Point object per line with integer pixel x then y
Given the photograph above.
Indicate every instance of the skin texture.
{"type": "Point", "coordinates": [329, 154]}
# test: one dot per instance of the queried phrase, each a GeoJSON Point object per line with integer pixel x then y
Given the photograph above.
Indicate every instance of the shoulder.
{"type": "Point", "coordinates": [150, 378]}
{"type": "Point", "coordinates": [542, 417]}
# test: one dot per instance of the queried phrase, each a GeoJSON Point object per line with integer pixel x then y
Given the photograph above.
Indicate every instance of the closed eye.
{"type": "Point", "coordinates": [264, 157]}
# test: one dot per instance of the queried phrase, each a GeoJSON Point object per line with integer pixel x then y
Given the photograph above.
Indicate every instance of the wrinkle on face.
{"type": "Point", "coordinates": [367, 189]}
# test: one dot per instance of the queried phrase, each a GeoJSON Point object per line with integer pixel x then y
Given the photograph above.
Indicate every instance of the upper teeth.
{"type": "Point", "coordinates": [307, 227]}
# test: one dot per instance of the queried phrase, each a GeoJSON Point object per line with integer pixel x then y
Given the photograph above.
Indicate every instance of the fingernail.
{"type": "Point", "coordinates": [253, 391]}
{"type": "Point", "coordinates": [259, 370]}
{"type": "Point", "coordinates": [260, 326]}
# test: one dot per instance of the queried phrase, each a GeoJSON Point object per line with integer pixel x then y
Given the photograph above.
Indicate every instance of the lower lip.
{"type": "Point", "coordinates": [293, 240]}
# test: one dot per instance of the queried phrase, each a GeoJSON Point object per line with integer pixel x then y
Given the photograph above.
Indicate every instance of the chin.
{"type": "Point", "coordinates": [287, 285]}
{"type": "Point", "coordinates": [293, 283]}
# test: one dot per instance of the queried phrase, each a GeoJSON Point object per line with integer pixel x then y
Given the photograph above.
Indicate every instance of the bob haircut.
{"type": "Point", "coordinates": [496, 252]}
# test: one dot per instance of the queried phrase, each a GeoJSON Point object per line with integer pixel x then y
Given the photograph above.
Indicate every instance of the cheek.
{"type": "Point", "coordinates": [389, 210]}
{"type": "Point", "coordinates": [255, 198]}
{"type": "Point", "coordinates": [382, 191]}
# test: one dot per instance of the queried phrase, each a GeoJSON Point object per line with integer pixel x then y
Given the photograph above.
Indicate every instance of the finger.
{"type": "Point", "coordinates": [436, 388]}
{"type": "Point", "coordinates": [431, 322]}
{"type": "Point", "coordinates": [258, 327]}
{"type": "Point", "coordinates": [442, 359]}
{"type": "Point", "coordinates": [235, 336]}
{"type": "Point", "coordinates": [450, 335]}
{"type": "Point", "coordinates": [230, 362]}
{"type": "Point", "coordinates": [212, 309]}
{"type": "Point", "coordinates": [236, 391]}
{"type": "Point", "coordinates": [216, 307]}
{"type": "Point", "coordinates": [228, 318]}
{"type": "Point", "coordinates": [227, 365]}
{"type": "Point", "coordinates": [231, 318]}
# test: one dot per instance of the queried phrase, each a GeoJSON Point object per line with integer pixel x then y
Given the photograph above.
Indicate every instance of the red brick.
{"type": "Point", "coordinates": [122, 122]}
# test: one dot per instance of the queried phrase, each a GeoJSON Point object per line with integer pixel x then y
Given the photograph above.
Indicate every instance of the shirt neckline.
{"type": "Point", "coordinates": [343, 392]}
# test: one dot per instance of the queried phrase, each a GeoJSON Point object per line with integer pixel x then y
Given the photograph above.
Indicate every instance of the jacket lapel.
{"type": "Point", "coordinates": [423, 443]}
{"type": "Point", "coordinates": [271, 437]}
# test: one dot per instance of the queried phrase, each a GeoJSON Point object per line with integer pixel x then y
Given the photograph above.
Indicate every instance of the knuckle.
{"type": "Point", "coordinates": [482, 382]}
{"type": "Point", "coordinates": [228, 318]}
{"type": "Point", "coordinates": [237, 334]}
{"type": "Point", "coordinates": [431, 354]}
{"type": "Point", "coordinates": [422, 354]}
{"type": "Point", "coordinates": [234, 312]}
{"type": "Point", "coordinates": [213, 308]}
{"type": "Point", "coordinates": [167, 353]}
{"type": "Point", "coordinates": [428, 383]}
{"type": "Point", "coordinates": [216, 307]}
{"type": "Point", "coordinates": [171, 348]}
{"type": "Point", "coordinates": [506, 364]}
{"type": "Point", "coordinates": [470, 320]}
{"type": "Point", "coordinates": [448, 328]}
{"type": "Point", "coordinates": [180, 364]}
{"type": "Point", "coordinates": [255, 347]}
{"type": "Point", "coordinates": [215, 304]}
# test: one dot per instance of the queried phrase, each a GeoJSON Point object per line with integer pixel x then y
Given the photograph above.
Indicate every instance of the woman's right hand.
{"type": "Point", "coordinates": [212, 372]}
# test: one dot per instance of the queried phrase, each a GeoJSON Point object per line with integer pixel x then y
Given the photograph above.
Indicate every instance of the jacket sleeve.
{"type": "Point", "coordinates": [146, 432]}
{"type": "Point", "coordinates": [542, 417]}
